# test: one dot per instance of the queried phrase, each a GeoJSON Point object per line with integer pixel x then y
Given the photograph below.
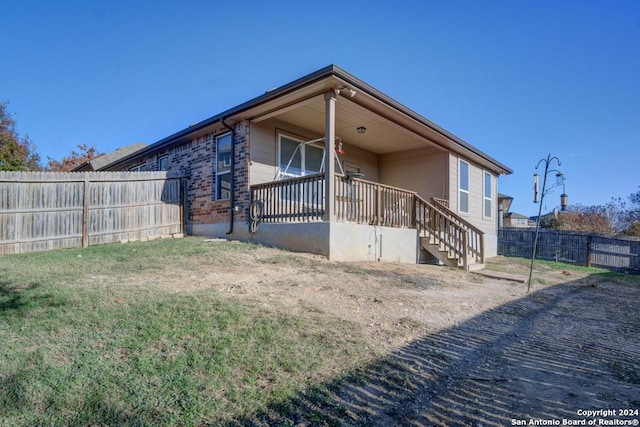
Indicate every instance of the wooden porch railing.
{"type": "Point", "coordinates": [365, 202]}
{"type": "Point", "coordinates": [289, 200]}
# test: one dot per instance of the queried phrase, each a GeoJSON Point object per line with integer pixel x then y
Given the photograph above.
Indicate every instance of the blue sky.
{"type": "Point", "coordinates": [517, 79]}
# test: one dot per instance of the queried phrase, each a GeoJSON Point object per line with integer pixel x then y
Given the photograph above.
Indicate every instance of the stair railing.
{"type": "Point", "coordinates": [446, 230]}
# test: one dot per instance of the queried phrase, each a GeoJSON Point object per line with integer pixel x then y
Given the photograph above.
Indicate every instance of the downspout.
{"type": "Point", "coordinates": [233, 175]}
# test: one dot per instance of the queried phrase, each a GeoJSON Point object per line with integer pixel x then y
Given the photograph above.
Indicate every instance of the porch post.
{"type": "Point", "coordinates": [329, 155]}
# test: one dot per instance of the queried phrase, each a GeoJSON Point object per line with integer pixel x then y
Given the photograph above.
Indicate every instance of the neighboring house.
{"type": "Point", "coordinates": [392, 186]}
{"type": "Point", "coordinates": [504, 204]}
{"type": "Point", "coordinates": [513, 219]}
{"type": "Point", "coordinates": [100, 162]}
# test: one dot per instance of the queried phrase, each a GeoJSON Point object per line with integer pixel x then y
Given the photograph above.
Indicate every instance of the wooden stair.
{"type": "Point", "coordinates": [448, 258]}
{"type": "Point", "coordinates": [448, 237]}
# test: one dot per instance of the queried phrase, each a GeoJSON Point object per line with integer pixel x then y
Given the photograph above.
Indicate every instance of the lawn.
{"type": "Point", "coordinates": [189, 332]}
{"type": "Point", "coordinates": [82, 345]}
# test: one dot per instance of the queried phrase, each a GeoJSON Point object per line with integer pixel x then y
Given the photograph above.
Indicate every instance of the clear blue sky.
{"type": "Point", "coordinates": [517, 79]}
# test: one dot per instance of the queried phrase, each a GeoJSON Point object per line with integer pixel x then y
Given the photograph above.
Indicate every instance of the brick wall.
{"type": "Point", "coordinates": [196, 159]}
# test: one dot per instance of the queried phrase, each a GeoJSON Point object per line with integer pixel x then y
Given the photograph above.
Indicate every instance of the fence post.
{"type": "Point", "coordinates": [182, 209]}
{"type": "Point", "coordinates": [589, 243]}
{"type": "Point", "coordinates": [85, 214]}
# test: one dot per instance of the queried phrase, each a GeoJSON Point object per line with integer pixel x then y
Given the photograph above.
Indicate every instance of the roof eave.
{"type": "Point", "coordinates": [323, 73]}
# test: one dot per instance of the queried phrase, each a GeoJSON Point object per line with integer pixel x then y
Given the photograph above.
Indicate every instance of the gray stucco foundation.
{"type": "Point", "coordinates": [337, 241]}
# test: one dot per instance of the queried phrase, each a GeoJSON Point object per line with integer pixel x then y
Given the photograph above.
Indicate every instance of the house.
{"type": "Point", "coordinates": [99, 162]}
{"type": "Point", "coordinates": [504, 204]}
{"type": "Point", "coordinates": [328, 164]}
{"type": "Point", "coordinates": [513, 219]}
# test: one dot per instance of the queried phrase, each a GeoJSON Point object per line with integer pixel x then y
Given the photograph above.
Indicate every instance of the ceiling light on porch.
{"type": "Point", "coordinates": [361, 129]}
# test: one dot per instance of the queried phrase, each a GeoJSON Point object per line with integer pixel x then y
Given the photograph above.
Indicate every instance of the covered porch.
{"type": "Point", "coordinates": [331, 152]}
{"type": "Point", "coordinates": [294, 213]}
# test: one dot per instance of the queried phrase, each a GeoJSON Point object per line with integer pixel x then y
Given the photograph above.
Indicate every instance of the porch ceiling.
{"type": "Point", "coordinates": [382, 135]}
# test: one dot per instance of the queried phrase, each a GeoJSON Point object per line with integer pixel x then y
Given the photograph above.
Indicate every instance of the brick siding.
{"type": "Point", "coordinates": [196, 159]}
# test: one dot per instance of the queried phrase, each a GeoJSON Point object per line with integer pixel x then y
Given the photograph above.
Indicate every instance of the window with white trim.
{"type": "Point", "coordinates": [487, 208]}
{"type": "Point", "coordinates": [297, 158]}
{"type": "Point", "coordinates": [463, 186]}
{"type": "Point", "coordinates": [223, 167]}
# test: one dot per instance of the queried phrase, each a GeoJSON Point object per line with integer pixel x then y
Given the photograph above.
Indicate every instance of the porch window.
{"type": "Point", "coordinates": [463, 186]}
{"type": "Point", "coordinates": [487, 195]}
{"type": "Point", "coordinates": [223, 167]}
{"type": "Point", "coordinates": [298, 159]}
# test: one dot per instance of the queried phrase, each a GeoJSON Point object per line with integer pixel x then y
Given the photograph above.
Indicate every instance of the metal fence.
{"type": "Point", "coordinates": [593, 250]}
{"type": "Point", "coordinates": [53, 210]}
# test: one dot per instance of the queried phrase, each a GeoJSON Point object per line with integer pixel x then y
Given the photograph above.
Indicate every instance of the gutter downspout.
{"type": "Point", "coordinates": [233, 175]}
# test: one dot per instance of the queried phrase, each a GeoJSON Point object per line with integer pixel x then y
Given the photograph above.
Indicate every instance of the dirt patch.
{"type": "Point", "coordinates": [452, 348]}
{"type": "Point", "coordinates": [395, 303]}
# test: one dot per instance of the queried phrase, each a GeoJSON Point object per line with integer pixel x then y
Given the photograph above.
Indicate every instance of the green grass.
{"type": "Point", "coordinates": [78, 352]}
{"type": "Point", "coordinates": [594, 274]}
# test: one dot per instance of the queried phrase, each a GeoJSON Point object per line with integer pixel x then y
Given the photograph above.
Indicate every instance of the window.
{"type": "Point", "coordinates": [137, 168]}
{"type": "Point", "coordinates": [163, 163]}
{"type": "Point", "coordinates": [487, 195]}
{"type": "Point", "coordinates": [223, 167]}
{"type": "Point", "coordinates": [298, 159]}
{"type": "Point", "coordinates": [463, 187]}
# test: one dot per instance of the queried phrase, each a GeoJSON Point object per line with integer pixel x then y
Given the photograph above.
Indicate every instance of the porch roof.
{"type": "Point", "coordinates": [390, 125]}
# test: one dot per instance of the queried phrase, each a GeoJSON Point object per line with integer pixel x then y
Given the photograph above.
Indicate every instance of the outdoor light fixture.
{"type": "Point", "coordinates": [361, 129]}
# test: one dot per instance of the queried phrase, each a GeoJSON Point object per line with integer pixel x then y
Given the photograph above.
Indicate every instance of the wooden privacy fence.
{"type": "Point", "coordinates": [54, 210]}
{"type": "Point", "coordinates": [593, 250]}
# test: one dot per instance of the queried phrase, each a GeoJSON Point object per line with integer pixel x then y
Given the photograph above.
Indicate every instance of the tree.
{"type": "Point", "coordinates": [68, 163]}
{"type": "Point", "coordinates": [587, 219]}
{"type": "Point", "coordinates": [614, 218]}
{"type": "Point", "coordinates": [633, 215]}
{"type": "Point", "coordinates": [16, 154]}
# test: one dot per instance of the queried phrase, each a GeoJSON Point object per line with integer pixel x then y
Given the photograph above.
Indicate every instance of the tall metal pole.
{"type": "Point", "coordinates": [544, 191]}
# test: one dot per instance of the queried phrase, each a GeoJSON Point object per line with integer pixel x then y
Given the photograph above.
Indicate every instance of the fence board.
{"type": "Point", "coordinates": [595, 250]}
{"type": "Point", "coordinates": [53, 210]}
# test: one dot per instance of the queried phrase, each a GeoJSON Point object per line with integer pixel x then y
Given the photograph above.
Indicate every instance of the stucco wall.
{"type": "Point", "coordinates": [353, 242]}
{"type": "Point", "coordinates": [337, 241]}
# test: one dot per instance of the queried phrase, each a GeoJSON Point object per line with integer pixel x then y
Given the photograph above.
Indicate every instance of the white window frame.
{"type": "Point", "coordinates": [226, 172]}
{"type": "Point", "coordinates": [303, 149]}
{"type": "Point", "coordinates": [298, 195]}
{"type": "Point", "coordinates": [486, 199]}
{"type": "Point", "coordinates": [462, 190]}
{"type": "Point", "coordinates": [137, 168]}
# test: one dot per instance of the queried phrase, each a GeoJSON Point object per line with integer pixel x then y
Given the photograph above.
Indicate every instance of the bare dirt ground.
{"type": "Point", "coordinates": [453, 348]}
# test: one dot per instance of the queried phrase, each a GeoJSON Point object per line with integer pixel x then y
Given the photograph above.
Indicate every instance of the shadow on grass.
{"type": "Point", "coordinates": [16, 298]}
{"type": "Point", "coordinates": [547, 355]}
